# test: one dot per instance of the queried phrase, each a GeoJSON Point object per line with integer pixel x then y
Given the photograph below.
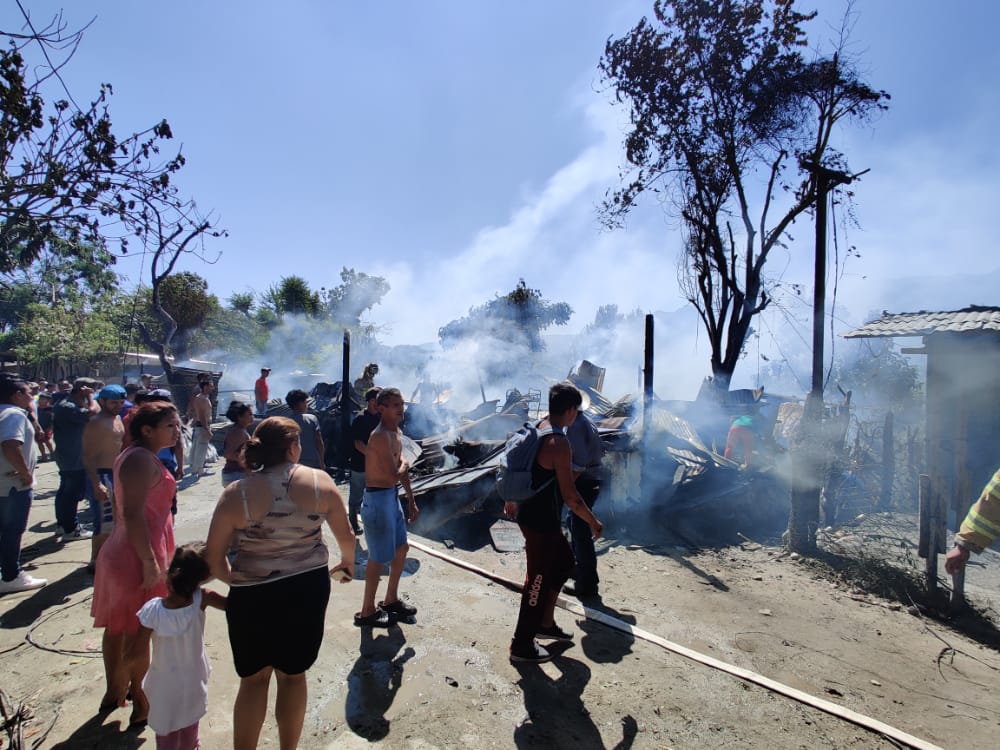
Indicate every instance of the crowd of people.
{"type": "Point", "coordinates": [265, 540]}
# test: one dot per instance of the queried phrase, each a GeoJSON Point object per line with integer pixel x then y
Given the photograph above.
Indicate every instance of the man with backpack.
{"type": "Point", "coordinates": [550, 560]}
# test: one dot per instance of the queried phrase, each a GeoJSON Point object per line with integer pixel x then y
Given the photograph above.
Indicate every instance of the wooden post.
{"type": "Point", "coordinates": [346, 405]}
{"type": "Point", "coordinates": [957, 602]}
{"type": "Point", "coordinates": [962, 498]}
{"type": "Point", "coordinates": [927, 546]}
{"type": "Point", "coordinates": [888, 462]}
{"type": "Point", "coordinates": [645, 486]}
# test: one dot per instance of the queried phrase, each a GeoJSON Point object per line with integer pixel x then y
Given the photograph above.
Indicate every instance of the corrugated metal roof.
{"type": "Point", "coordinates": [923, 323]}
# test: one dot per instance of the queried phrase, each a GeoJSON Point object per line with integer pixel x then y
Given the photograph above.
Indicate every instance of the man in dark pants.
{"type": "Point", "coordinates": [588, 450]}
{"type": "Point", "coordinates": [69, 417]}
{"type": "Point", "coordinates": [549, 557]}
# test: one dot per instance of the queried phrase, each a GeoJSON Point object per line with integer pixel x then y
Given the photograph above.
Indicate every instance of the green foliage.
{"type": "Point", "coordinates": [185, 297]}
{"type": "Point", "coordinates": [722, 100]}
{"type": "Point", "coordinates": [292, 295]}
{"type": "Point", "coordinates": [342, 306]}
{"type": "Point", "coordinates": [517, 318]}
{"type": "Point", "coordinates": [356, 294]}
{"type": "Point", "coordinates": [66, 175]}
{"type": "Point", "coordinates": [65, 273]}
{"type": "Point", "coordinates": [49, 333]}
{"type": "Point", "coordinates": [242, 302]}
{"type": "Point", "coordinates": [228, 334]}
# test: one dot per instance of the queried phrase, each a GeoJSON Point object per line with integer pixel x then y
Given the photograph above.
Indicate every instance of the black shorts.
{"type": "Point", "coordinates": [278, 624]}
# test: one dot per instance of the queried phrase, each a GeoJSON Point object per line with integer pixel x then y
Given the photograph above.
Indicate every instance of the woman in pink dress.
{"type": "Point", "coordinates": [132, 564]}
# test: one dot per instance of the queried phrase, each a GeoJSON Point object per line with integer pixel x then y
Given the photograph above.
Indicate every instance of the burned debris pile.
{"type": "Point", "coordinates": [670, 476]}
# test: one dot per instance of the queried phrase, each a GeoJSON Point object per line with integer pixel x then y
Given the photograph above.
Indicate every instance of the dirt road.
{"type": "Point", "coordinates": [445, 682]}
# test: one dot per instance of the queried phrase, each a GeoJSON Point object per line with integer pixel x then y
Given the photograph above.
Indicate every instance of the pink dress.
{"type": "Point", "coordinates": [118, 592]}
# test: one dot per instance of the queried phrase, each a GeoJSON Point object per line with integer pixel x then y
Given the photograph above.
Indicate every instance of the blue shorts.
{"type": "Point", "coordinates": [103, 513]}
{"type": "Point", "coordinates": [385, 524]}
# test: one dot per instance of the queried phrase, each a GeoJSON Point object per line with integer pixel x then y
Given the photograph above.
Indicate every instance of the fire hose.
{"type": "Point", "coordinates": [774, 686]}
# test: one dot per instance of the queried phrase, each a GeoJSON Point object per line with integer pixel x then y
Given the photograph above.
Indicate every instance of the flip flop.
{"type": "Point", "coordinates": [377, 619]}
{"type": "Point", "coordinates": [399, 608]}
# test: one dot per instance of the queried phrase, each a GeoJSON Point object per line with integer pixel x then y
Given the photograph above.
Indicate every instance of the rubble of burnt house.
{"type": "Point", "coordinates": [671, 474]}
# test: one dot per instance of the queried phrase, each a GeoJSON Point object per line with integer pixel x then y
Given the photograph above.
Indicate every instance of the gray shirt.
{"type": "Point", "coordinates": [309, 425]}
{"type": "Point", "coordinates": [15, 425]}
{"type": "Point", "coordinates": [585, 441]}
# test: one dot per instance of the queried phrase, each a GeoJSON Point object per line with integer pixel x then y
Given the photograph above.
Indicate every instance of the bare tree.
{"type": "Point", "coordinates": [65, 176]}
{"type": "Point", "coordinates": [64, 173]}
{"type": "Point", "coordinates": [726, 112]}
{"type": "Point", "coordinates": [169, 232]}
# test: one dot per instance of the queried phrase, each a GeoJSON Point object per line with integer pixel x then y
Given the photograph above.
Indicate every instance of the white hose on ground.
{"type": "Point", "coordinates": [774, 686]}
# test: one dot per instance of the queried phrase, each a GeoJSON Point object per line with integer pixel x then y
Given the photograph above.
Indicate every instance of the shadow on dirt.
{"type": "Point", "coordinates": [95, 734]}
{"type": "Point", "coordinates": [57, 593]}
{"type": "Point", "coordinates": [872, 567]}
{"type": "Point", "coordinates": [601, 644]}
{"type": "Point", "coordinates": [374, 681]}
{"type": "Point", "coordinates": [557, 716]}
{"type": "Point", "coordinates": [886, 580]}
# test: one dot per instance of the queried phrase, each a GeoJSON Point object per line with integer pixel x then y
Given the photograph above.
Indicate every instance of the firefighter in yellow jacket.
{"type": "Point", "coordinates": [980, 528]}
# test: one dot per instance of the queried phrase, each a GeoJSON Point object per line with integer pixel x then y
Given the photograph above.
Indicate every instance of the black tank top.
{"type": "Point", "coordinates": [543, 511]}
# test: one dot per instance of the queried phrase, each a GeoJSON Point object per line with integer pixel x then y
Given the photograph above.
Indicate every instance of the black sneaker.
{"type": "Point", "coordinates": [535, 654]}
{"type": "Point", "coordinates": [555, 633]}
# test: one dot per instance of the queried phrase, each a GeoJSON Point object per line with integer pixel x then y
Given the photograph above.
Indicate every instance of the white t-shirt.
{"type": "Point", "coordinates": [15, 425]}
{"type": "Point", "coordinates": [177, 681]}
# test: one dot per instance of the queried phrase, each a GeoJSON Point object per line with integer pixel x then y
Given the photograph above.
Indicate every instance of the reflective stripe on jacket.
{"type": "Point", "coordinates": [981, 526]}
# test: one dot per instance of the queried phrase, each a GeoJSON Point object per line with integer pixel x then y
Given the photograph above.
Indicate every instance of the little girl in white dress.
{"type": "Point", "coordinates": [177, 681]}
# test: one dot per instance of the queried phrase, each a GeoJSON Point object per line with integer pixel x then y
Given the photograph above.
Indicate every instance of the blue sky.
{"type": "Point", "coordinates": [455, 147]}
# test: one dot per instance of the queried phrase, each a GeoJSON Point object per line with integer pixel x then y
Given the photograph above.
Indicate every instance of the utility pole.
{"type": "Point", "coordinates": [803, 521]}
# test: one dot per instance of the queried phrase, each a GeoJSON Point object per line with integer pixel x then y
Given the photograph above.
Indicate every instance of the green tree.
{"type": "Point", "coordinates": [66, 274]}
{"type": "Point", "coordinates": [722, 100]}
{"type": "Point", "coordinates": [358, 293]}
{"type": "Point", "coordinates": [243, 302]}
{"type": "Point", "coordinates": [185, 297]}
{"type": "Point", "coordinates": [64, 173]}
{"type": "Point", "coordinates": [518, 318]}
{"type": "Point", "coordinates": [292, 295]}
{"type": "Point", "coordinates": [228, 334]}
{"type": "Point", "coordinates": [49, 334]}
{"type": "Point", "coordinates": [172, 232]}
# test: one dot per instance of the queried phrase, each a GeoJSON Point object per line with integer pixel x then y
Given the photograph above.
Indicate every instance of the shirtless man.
{"type": "Point", "coordinates": [102, 442]}
{"type": "Point", "coordinates": [382, 513]}
{"type": "Point", "coordinates": [201, 427]}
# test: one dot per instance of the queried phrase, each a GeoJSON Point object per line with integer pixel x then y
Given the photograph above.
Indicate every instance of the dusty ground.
{"type": "Point", "coordinates": [445, 682]}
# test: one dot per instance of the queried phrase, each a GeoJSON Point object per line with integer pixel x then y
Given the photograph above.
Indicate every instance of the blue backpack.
{"type": "Point", "coordinates": [514, 477]}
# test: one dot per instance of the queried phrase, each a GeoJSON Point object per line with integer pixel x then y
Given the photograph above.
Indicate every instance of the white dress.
{"type": "Point", "coordinates": [177, 680]}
